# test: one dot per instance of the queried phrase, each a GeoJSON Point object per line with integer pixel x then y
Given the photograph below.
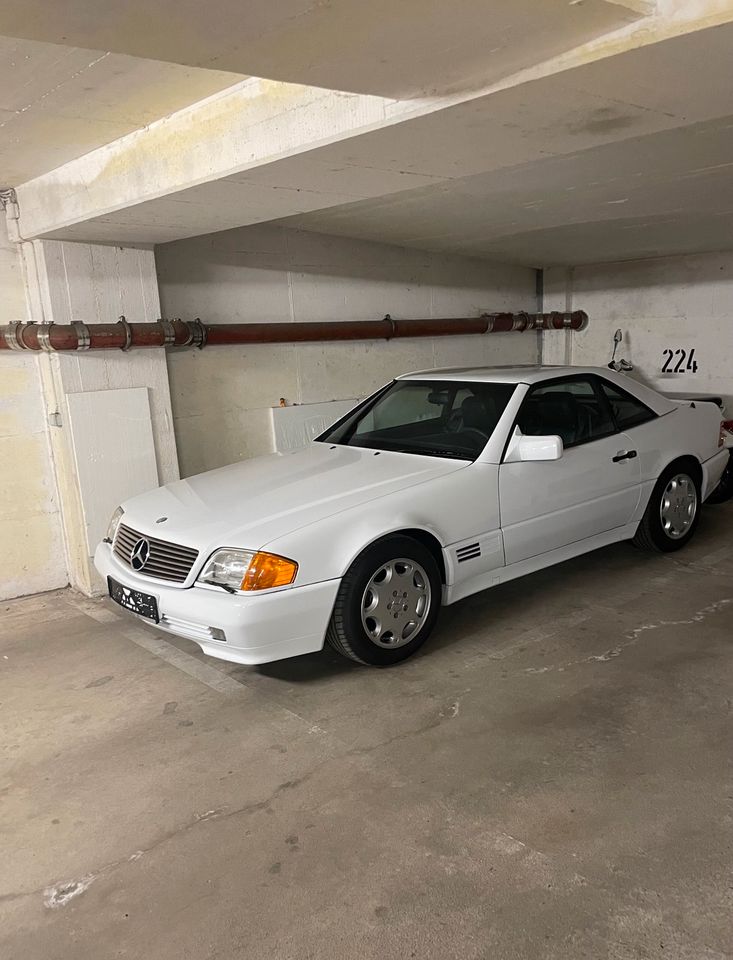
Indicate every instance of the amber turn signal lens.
{"type": "Point", "coordinates": [267, 570]}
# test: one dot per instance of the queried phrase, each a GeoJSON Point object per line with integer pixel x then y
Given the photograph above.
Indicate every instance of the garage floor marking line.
{"type": "Point", "coordinates": [94, 609]}
{"type": "Point", "coordinates": [183, 661]}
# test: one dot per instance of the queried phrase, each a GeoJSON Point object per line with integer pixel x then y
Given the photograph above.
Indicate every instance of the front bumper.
{"type": "Point", "coordinates": [259, 628]}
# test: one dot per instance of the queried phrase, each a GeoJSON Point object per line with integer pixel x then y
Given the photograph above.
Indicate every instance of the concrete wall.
{"type": "Point", "coordinates": [32, 553]}
{"type": "Point", "coordinates": [222, 396]}
{"type": "Point", "coordinates": [673, 303]}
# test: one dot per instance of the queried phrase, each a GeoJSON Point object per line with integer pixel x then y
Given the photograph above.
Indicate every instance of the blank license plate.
{"type": "Point", "coordinates": [133, 600]}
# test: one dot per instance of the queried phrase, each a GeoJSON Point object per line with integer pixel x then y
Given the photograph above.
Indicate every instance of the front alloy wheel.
{"type": "Point", "coordinates": [387, 603]}
{"type": "Point", "coordinates": [396, 603]}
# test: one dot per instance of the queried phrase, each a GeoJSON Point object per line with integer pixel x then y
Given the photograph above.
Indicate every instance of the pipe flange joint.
{"type": "Point", "coordinates": [169, 332]}
{"type": "Point", "coordinates": [520, 321]}
{"type": "Point", "coordinates": [83, 337]}
{"type": "Point", "coordinates": [44, 337]}
{"type": "Point", "coordinates": [122, 322]}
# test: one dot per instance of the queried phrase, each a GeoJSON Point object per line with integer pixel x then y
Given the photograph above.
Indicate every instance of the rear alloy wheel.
{"type": "Point", "coordinates": [672, 513]}
{"type": "Point", "coordinates": [387, 603]}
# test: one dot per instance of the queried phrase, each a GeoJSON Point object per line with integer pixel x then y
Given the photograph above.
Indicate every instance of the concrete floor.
{"type": "Point", "coordinates": [550, 779]}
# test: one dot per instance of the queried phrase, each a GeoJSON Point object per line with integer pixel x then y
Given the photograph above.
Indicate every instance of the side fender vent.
{"type": "Point", "coordinates": [469, 552]}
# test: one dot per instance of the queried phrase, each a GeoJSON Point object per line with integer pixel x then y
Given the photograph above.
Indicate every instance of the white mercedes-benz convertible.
{"type": "Point", "coordinates": [441, 484]}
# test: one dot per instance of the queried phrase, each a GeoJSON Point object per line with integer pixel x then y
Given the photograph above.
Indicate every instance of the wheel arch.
{"type": "Point", "coordinates": [688, 460]}
{"type": "Point", "coordinates": [423, 536]}
{"type": "Point", "coordinates": [691, 462]}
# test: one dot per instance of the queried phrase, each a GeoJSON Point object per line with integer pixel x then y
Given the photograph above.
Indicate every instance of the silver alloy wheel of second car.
{"type": "Point", "coordinates": [678, 507]}
{"type": "Point", "coordinates": [396, 603]}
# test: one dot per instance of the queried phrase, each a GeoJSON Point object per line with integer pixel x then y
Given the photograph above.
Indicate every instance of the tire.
{"type": "Point", "coordinates": [724, 490]}
{"type": "Point", "coordinates": [368, 624]}
{"type": "Point", "coordinates": [673, 511]}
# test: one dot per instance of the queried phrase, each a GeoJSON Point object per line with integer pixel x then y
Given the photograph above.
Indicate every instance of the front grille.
{"type": "Point", "coordinates": [166, 561]}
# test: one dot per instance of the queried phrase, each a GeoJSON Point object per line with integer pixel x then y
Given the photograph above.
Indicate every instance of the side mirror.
{"type": "Point", "coordinates": [532, 449]}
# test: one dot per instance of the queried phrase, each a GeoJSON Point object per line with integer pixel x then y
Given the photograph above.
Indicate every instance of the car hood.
{"type": "Point", "coordinates": [251, 503]}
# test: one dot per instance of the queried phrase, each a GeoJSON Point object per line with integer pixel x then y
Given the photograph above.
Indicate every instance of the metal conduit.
{"type": "Point", "coordinates": [77, 336]}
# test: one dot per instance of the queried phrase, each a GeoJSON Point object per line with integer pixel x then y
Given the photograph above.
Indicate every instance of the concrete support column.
{"type": "Point", "coordinates": [98, 284]}
{"type": "Point", "coordinates": [31, 543]}
{"type": "Point", "coordinates": [557, 345]}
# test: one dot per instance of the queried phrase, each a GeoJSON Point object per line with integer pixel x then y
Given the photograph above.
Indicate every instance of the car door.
{"type": "Point", "coordinates": [594, 487]}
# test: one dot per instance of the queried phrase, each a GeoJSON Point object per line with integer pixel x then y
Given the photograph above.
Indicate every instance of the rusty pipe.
{"type": "Point", "coordinates": [78, 336]}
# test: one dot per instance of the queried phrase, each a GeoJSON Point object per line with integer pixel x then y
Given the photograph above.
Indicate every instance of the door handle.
{"type": "Point", "coordinates": [624, 455]}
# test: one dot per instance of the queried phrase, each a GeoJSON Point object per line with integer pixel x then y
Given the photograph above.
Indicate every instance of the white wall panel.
{"type": "Point", "coordinates": [294, 427]}
{"type": "Point", "coordinates": [114, 452]}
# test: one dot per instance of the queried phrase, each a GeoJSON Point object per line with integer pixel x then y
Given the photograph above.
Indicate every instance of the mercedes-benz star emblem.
{"type": "Point", "coordinates": [140, 554]}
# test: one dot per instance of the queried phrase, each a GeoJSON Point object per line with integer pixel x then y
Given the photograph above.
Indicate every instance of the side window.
{"type": "Point", "coordinates": [570, 409]}
{"type": "Point", "coordinates": [627, 410]}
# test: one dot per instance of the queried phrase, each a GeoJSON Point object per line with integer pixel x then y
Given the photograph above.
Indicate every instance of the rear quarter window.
{"type": "Point", "coordinates": [628, 411]}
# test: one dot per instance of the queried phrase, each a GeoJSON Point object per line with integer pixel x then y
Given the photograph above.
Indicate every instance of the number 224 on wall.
{"type": "Point", "coordinates": [679, 361]}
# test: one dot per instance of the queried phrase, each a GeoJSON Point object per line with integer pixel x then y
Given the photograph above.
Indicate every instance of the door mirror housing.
{"type": "Point", "coordinates": [532, 449]}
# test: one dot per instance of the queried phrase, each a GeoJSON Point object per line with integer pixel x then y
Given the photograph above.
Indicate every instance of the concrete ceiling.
{"type": "Point", "coordinates": [60, 102]}
{"type": "Point", "coordinates": [614, 151]}
{"type": "Point", "coordinates": [623, 157]}
{"type": "Point", "coordinates": [393, 49]}
{"type": "Point", "coordinates": [670, 192]}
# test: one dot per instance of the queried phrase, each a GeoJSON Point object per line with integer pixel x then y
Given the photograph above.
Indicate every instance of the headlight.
{"type": "Point", "coordinates": [247, 570]}
{"type": "Point", "coordinates": [114, 524]}
{"type": "Point", "coordinates": [228, 567]}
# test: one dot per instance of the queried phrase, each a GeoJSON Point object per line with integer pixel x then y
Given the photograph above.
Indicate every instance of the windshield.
{"type": "Point", "coordinates": [434, 418]}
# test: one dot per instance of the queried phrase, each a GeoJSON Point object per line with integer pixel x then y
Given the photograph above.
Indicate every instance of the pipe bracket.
{"type": "Point", "coordinates": [168, 331]}
{"type": "Point", "coordinates": [520, 321]}
{"type": "Point", "coordinates": [122, 322]}
{"type": "Point", "coordinates": [83, 337]}
{"type": "Point", "coordinates": [392, 327]}
{"type": "Point", "coordinates": [489, 318]}
{"type": "Point", "coordinates": [14, 336]}
{"type": "Point", "coordinates": [44, 337]}
{"type": "Point", "coordinates": [198, 333]}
